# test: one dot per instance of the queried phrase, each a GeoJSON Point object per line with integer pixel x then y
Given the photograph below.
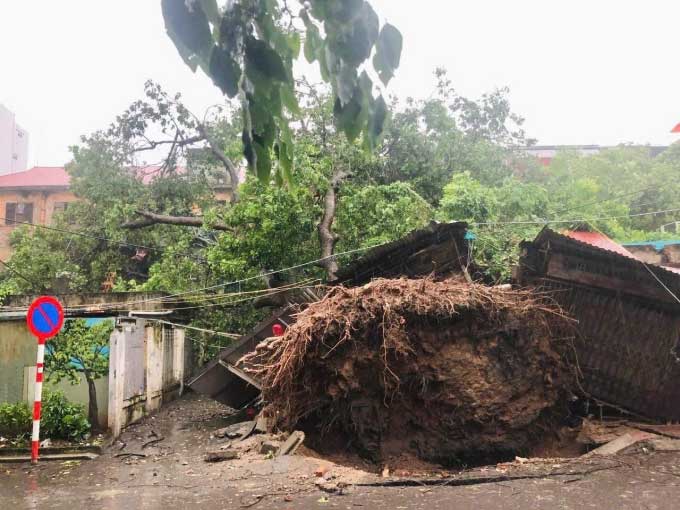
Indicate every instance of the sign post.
{"type": "Point", "coordinates": [44, 318]}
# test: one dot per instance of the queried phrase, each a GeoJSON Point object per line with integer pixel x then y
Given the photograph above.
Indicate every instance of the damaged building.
{"type": "Point", "coordinates": [456, 371]}
{"type": "Point", "coordinates": [628, 317]}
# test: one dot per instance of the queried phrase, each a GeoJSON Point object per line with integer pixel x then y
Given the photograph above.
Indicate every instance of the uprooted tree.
{"type": "Point", "coordinates": [447, 370]}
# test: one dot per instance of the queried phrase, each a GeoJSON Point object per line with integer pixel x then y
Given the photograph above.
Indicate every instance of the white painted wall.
{"type": "Point", "coordinates": [13, 144]}
{"type": "Point", "coordinates": [139, 380]}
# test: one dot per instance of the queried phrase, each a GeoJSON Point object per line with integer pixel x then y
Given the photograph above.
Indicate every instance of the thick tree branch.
{"type": "Point", "coordinates": [328, 239]}
{"type": "Point", "coordinates": [229, 166]}
{"type": "Point", "coordinates": [151, 218]}
{"type": "Point", "coordinates": [153, 144]}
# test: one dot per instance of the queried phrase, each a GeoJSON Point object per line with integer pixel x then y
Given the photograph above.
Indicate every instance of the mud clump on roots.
{"type": "Point", "coordinates": [448, 370]}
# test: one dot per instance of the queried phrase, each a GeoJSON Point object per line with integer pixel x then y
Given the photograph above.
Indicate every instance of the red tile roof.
{"type": "Point", "coordinates": [598, 240]}
{"type": "Point", "coordinates": [56, 176]}
{"type": "Point", "coordinates": [37, 177]}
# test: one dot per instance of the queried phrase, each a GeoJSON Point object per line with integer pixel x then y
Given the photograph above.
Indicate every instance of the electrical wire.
{"type": "Point", "coordinates": [582, 220]}
{"type": "Point", "coordinates": [194, 328]}
{"type": "Point", "coordinates": [14, 271]}
{"type": "Point", "coordinates": [322, 259]}
{"type": "Point", "coordinates": [243, 280]}
{"type": "Point", "coordinates": [91, 236]}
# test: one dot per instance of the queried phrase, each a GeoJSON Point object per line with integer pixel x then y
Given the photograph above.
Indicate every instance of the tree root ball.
{"type": "Point", "coordinates": [447, 370]}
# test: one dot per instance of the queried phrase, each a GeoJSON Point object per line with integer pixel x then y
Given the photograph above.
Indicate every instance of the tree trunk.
{"type": "Point", "coordinates": [229, 166]}
{"type": "Point", "coordinates": [92, 408]}
{"type": "Point", "coordinates": [327, 238]}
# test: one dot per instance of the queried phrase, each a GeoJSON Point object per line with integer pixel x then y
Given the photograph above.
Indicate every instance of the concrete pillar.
{"type": "Point", "coordinates": [178, 357]}
{"type": "Point", "coordinates": [117, 372]}
{"type": "Point", "coordinates": [154, 366]}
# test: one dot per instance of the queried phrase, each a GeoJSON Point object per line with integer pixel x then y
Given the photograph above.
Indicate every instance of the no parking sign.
{"type": "Point", "coordinates": [45, 318]}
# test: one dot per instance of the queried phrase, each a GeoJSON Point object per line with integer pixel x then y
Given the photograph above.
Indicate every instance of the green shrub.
{"type": "Point", "coordinates": [62, 419]}
{"type": "Point", "coordinates": [15, 420]}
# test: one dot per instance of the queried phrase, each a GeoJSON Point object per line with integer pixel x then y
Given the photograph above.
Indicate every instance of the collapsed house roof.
{"type": "Point", "coordinates": [628, 319]}
{"type": "Point", "coordinates": [439, 248]}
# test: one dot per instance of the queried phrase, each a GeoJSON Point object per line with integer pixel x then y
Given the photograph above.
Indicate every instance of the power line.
{"type": "Point", "coordinates": [250, 278]}
{"type": "Point", "coordinates": [194, 328]}
{"type": "Point", "coordinates": [582, 220]}
{"type": "Point", "coordinates": [611, 197]}
{"type": "Point", "coordinates": [90, 236]}
{"type": "Point", "coordinates": [14, 271]}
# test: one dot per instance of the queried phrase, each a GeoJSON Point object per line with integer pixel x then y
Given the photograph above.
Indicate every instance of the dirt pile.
{"type": "Point", "coordinates": [451, 371]}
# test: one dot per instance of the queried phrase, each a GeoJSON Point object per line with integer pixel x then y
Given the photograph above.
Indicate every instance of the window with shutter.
{"type": "Point", "coordinates": [18, 212]}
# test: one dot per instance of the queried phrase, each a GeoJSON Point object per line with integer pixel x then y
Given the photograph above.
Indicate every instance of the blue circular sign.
{"type": "Point", "coordinates": [45, 317]}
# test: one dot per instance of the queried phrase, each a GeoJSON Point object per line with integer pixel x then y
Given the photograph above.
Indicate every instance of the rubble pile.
{"type": "Point", "coordinates": [447, 370]}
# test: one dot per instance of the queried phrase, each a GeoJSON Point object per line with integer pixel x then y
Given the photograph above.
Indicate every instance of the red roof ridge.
{"type": "Point", "coordinates": [37, 177]}
{"type": "Point", "coordinates": [598, 240]}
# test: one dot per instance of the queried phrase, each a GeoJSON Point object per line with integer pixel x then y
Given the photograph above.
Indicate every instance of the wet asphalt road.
{"type": "Point", "coordinates": [173, 476]}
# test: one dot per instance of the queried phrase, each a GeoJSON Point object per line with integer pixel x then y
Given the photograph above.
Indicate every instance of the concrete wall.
{"type": "Point", "coordinates": [18, 350]}
{"type": "Point", "coordinates": [43, 211]}
{"type": "Point", "coordinates": [669, 255]}
{"type": "Point", "coordinates": [147, 368]}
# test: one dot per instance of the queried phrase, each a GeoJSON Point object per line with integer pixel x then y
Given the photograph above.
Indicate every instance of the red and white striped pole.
{"type": "Point", "coordinates": [37, 404]}
{"type": "Point", "coordinates": [44, 318]}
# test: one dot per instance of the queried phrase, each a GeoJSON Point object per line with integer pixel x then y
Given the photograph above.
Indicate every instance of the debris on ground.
{"type": "Point", "coordinates": [448, 370]}
{"type": "Point", "coordinates": [236, 430]}
{"type": "Point", "coordinates": [293, 442]}
{"type": "Point", "coordinates": [221, 455]}
{"type": "Point", "coordinates": [269, 447]}
{"type": "Point", "coordinates": [612, 437]}
{"type": "Point", "coordinates": [595, 433]}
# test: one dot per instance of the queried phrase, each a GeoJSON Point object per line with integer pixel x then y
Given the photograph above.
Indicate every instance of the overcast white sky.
{"type": "Point", "coordinates": [581, 72]}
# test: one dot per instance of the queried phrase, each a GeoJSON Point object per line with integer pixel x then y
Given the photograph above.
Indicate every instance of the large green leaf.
{"type": "Point", "coordinates": [353, 42]}
{"type": "Point", "coordinates": [344, 83]}
{"type": "Point", "coordinates": [294, 43]}
{"type": "Point", "coordinates": [224, 71]}
{"type": "Point", "coordinates": [262, 58]}
{"type": "Point", "coordinates": [248, 149]}
{"type": "Point", "coordinates": [343, 11]}
{"type": "Point", "coordinates": [211, 11]}
{"type": "Point", "coordinates": [350, 117]}
{"type": "Point", "coordinates": [285, 161]}
{"type": "Point", "coordinates": [376, 122]}
{"type": "Point", "coordinates": [388, 52]}
{"type": "Point", "coordinates": [189, 26]}
{"type": "Point", "coordinates": [264, 163]}
{"type": "Point", "coordinates": [288, 98]}
{"type": "Point", "coordinates": [313, 39]}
